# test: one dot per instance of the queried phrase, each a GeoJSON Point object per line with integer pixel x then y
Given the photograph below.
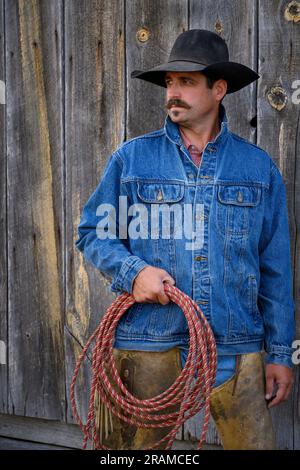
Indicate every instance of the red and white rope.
{"type": "Point", "coordinates": [191, 389]}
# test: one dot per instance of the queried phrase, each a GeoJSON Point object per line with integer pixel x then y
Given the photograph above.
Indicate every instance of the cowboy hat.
{"type": "Point", "coordinates": [205, 51]}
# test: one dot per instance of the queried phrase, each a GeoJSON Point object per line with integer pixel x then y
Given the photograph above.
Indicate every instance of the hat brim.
{"type": "Point", "coordinates": [236, 75]}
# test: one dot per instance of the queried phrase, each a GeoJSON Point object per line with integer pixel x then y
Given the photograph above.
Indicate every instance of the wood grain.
{"type": "Point", "coordinates": [161, 23]}
{"type": "Point", "coordinates": [94, 116]}
{"type": "Point", "coordinates": [35, 202]}
{"type": "Point", "coordinates": [3, 232]}
{"type": "Point", "coordinates": [279, 135]}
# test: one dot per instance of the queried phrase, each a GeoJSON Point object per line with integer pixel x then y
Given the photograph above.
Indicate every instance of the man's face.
{"type": "Point", "coordinates": [188, 98]}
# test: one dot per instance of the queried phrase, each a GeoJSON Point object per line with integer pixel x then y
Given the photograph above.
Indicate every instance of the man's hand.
{"type": "Point", "coordinates": [281, 376]}
{"type": "Point", "coordinates": [148, 286]}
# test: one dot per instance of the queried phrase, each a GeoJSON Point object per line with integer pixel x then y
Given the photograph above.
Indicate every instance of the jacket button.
{"type": "Point", "coordinates": [159, 196]}
{"type": "Point", "coordinates": [240, 197]}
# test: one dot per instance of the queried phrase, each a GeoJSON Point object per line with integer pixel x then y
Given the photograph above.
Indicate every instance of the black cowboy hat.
{"type": "Point", "coordinates": [205, 51]}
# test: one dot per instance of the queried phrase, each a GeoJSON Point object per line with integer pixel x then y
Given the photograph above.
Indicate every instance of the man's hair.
{"type": "Point", "coordinates": [211, 79]}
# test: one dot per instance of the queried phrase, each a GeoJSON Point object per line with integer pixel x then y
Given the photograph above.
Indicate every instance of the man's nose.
{"type": "Point", "coordinates": [174, 91]}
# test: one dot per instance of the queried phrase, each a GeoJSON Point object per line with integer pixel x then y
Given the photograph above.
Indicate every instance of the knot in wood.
{"type": "Point", "coordinates": [143, 34]}
{"type": "Point", "coordinates": [292, 12]}
{"type": "Point", "coordinates": [277, 97]}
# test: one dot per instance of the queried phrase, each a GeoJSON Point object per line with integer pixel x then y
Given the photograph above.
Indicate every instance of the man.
{"type": "Point", "coordinates": [233, 260]}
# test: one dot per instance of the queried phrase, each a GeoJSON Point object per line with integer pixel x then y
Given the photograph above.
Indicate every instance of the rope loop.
{"type": "Point", "coordinates": [191, 390]}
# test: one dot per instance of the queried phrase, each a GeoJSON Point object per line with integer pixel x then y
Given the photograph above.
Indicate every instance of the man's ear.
{"type": "Point", "coordinates": [221, 88]}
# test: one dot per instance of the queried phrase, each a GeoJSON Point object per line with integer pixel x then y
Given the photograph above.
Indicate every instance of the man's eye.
{"type": "Point", "coordinates": [185, 80]}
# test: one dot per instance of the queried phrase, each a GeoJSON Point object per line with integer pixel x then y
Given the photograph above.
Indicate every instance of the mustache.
{"type": "Point", "coordinates": [176, 102]}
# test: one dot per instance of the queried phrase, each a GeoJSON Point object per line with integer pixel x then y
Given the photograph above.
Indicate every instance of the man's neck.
{"type": "Point", "coordinates": [201, 133]}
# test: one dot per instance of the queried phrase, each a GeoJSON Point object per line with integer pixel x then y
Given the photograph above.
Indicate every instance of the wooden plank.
{"type": "Point", "coordinates": [73, 350]}
{"type": "Point", "coordinates": [3, 238]}
{"type": "Point", "coordinates": [16, 444]}
{"type": "Point", "coordinates": [41, 430]}
{"type": "Point", "coordinates": [279, 134]}
{"type": "Point", "coordinates": [94, 83]}
{"type": "Point", "coordinates": [235, 21]}
{"type": "Point", "coordinates": [35, 208]}
{"type": "Point", "coordinates": [151, 29]}
{"type": "Point", "coordinates": [54, 433]}
{"type": "Point", "coordinates": [295, 409]}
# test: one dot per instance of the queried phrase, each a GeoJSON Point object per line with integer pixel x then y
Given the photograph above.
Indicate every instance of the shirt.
{"type": "Point", "coordinates": [192, 149]}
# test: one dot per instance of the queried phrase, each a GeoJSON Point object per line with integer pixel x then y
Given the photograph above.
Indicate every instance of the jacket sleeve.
{"type": "Point", "coordinates": [275, 298]}
{"type": "Point", "coordinates": [106, 251]}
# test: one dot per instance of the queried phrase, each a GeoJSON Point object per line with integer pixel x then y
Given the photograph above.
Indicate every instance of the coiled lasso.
{"type": "Point", "coordinates": [191, 389]}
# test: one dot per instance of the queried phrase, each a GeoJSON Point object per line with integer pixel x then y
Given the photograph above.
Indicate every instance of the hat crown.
{"type": "Point", "coordinates": [199, 45]}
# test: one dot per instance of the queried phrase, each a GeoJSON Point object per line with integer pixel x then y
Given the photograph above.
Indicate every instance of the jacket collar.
{"type": "Point", "coordinates": [172, 129]}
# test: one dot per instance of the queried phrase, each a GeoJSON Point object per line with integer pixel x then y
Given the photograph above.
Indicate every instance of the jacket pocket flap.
{"type": "Point", "coordinates": [239, 195]}
{"type": "Point", "coordinates": [160, 192]}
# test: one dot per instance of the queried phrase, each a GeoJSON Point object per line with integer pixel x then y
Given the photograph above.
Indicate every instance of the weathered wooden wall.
{"type": "Point", "coordinates": [35, 209]}
{"type": "Point", "coordinates": [69, 103]}
{"type": "Point", "coordinates": [3, 237]}
{"type": "Point", "coordinates": [278, 132]}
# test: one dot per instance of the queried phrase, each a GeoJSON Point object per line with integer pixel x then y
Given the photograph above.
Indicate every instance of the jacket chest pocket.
{"type": "Point", "coordinates": [236, 207]}
{"type": "Point", "coordinates": [163, 202]}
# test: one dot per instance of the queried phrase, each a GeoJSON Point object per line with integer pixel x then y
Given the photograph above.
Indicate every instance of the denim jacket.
{"type": "Point", "coordinates": [234, 258]}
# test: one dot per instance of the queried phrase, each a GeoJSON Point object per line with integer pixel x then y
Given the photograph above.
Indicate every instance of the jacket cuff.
{"type": "Point", "coordinates": [281, 359]}
{"type": "Point", "coordinates": [129, 270]}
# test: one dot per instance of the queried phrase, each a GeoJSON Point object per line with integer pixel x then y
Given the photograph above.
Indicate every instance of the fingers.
{"type": "Point", "coordinates": [283, 377]}
{"type": "Point", "coordinates": [162, 298]}
{"type": "Point", "coordinates": [269, 387]}
{"type": "Point", "coordinates": [281, 393]}
{"type": "Point", "coordinates": [154, 297]}
{"type": "Point", "coordinates": [149, 286]}
{"type": "Point", "coordinates": [169, 280]}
